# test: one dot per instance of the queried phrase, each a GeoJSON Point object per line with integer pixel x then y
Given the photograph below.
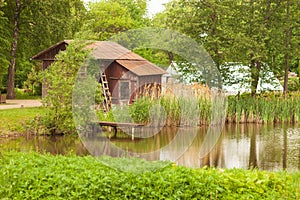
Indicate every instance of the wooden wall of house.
{"type": "Point", "coordinates": [116, 74]}
{"type": "Point", "coordinates": [143, 80]}
{"type": "Point", "coordinates": [153, 82]}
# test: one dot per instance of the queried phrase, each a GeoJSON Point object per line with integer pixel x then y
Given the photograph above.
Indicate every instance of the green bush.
{"type": "Point", "coordinates": [60, 78]}
{"type": "Point", "coordinates": [35, 176]}
{"type": "Point", "coordinates": [21, 94]}
{"type": "Point", "coordinates": [294, 84]}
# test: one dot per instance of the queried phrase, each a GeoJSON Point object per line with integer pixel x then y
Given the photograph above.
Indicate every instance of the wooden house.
{"type": "Point", "coordinates": [126, 74]}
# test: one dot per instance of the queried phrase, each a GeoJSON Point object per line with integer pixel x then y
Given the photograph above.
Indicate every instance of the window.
{"type": "Point", "coordinates": [124, 90]}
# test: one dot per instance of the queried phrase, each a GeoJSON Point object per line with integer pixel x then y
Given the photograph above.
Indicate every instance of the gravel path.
{"type": "Point", "coordinates": [20, 104]}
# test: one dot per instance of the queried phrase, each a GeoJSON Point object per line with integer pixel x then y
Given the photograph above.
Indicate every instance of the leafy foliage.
{"type": "Point", "coordinates": [60, 79]}
{"type": "Point", "coordinates": [106, 18]}
{"type": "Point", "coordinates": [41, 24]}
{"type": "Point", "coordinates": [35, 176]}
{"type": "Point", "coordinates": [4, 43]}
{"type": "Point", "coordinates": [247, 32]}
{"type": "Point", "coordinates": [137, 10]}
{"type": "Point", "coordinates": [25, 94]}
{"type": "Point", "coordinates": [158, 57]}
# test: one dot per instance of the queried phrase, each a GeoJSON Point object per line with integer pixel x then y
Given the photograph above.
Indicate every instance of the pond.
{"type": "Point", "coordinates": [266, 147]}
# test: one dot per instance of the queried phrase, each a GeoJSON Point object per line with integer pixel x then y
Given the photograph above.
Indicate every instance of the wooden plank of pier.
{"type": "Point", "coordinates": [115, 125]}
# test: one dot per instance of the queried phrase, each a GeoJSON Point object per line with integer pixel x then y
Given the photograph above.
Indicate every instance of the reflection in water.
{"type": "Point", "coordinates": [266, 147]}
{"type": "Point", "coordinates": [284, 148]}
{"type": "Point", "coordinates": [43, 144]}
{"type": "Point", "coordinates": [253, 153]}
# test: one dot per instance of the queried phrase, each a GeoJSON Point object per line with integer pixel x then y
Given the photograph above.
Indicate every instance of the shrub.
{"type": "Point", "coordinates": [35, 176]}
{"type": "Point", "coordinates": [21, 94]}
{"type": "Point", "coordinates": [60, 79]}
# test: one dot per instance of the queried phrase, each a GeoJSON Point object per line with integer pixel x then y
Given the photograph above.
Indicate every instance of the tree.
{"type": "Point", "coordinates": [4, 43]}
{"type": "Point", "coordinates": [14, 45]}
{"type": "Point", "coordinates": [137, 10]}
{"type": "Point", "coordinates": [245, 31]}
{"type": "Point", "coordinates": [73, 88]}
{"type": "Point", "coordinates": [36, 25]}
{"type": "Point", "coordinates": [288, 38]}
{"type": "Point", "coordinates": [253, 32]}
{"type": "Point", "coordinates": [107, 18]}
{"type": "Point", "coordinates": [202, 20]}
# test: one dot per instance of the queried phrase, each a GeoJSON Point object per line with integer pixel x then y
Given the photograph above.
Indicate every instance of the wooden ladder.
{"type": "Point", "coordinates": [105, 93]}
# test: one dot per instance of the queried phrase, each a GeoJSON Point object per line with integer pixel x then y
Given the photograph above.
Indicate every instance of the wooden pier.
{"type": "Point", "coordinates": [115, 126]}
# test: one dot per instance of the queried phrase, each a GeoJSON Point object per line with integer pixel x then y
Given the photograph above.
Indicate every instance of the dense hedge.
{"type": "Point", "coordinates": [35, 176]}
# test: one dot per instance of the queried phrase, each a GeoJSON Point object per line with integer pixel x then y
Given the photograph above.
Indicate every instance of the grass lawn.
{"type": "Point", "coordinates": [15, 121]}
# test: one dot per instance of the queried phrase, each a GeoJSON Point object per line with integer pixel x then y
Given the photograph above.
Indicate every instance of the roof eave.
{"type": "Point", "coordinates": [36, 57]}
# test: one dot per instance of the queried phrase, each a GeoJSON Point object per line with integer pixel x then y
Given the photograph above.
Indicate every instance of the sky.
{"type": "Point", "coordinates": [156, 6]}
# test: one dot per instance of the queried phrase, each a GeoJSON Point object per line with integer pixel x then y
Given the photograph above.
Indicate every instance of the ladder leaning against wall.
{"type": "Point", "coordinates": [106, 104]}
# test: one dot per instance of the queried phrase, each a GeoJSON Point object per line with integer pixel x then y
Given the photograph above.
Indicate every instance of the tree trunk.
{"type": "Point", "coordinates": [255, 70]}
{"type": "Point", "coordinates": [12, 64]}
{"type": "Point", "coordinates": [255, 64]}
{"type": "Point", "coordinates": [287, 53]}
{"type": "Point", "coordinates": [299, 73]}
{"type": "Point", "coordinates": [171, 56]}
{"type": "Point", "coordinates": [213, 34]}
{"type": "Point", "coordinates": [286, 77]}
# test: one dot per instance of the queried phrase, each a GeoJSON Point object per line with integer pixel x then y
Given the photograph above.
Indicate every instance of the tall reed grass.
{"type": "Point", "coordinates": [182, 105]}
{"type": "Point", "coordinates": [177, 105]}
{"type": "Point", "coordinates": [264, 108]}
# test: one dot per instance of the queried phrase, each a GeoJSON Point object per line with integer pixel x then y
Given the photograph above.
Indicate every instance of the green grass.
{"type": "Point", "coordinates": [35, 176]}
{"type": "Point", "coordinates": [16, 121]}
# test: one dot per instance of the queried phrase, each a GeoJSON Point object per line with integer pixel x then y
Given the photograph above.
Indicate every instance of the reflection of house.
{"type": "Point", "coordinates": [126, 71]}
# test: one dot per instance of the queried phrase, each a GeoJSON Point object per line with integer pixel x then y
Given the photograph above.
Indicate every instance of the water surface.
{"type": "Point", "coordinates": [266, 147]}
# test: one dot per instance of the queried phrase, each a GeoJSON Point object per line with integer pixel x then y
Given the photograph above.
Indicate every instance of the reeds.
{"type": "Point", "coordinates": [182, 105]}
{"type": "Point", "coordinates": [177, 105]}
{"type": "Point", "coordinates": [264, 108]}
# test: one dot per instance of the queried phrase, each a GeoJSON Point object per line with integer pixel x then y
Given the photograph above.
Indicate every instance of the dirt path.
{"type": "Point", "coordinates": [20, 104]}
